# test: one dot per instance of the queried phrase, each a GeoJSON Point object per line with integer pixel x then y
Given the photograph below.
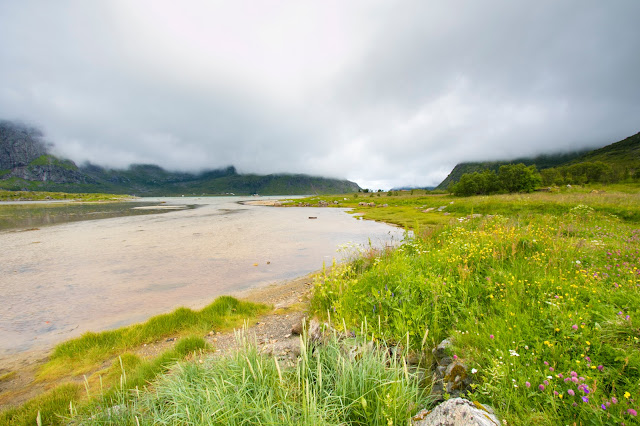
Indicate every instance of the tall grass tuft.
{"type": "Point", "coordinates": [327, 386]}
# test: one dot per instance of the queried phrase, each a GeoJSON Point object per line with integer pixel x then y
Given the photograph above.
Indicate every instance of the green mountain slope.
{"type": "Point", "coordinates": [26, 165]}
{"type": "Point", "coordinates": [620, 155]}
{"type": "Point", "coordinates": [623, 153]}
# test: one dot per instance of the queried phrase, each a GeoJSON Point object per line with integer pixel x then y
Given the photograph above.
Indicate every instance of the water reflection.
{"type": "Point", "coordinates": [14, 216]}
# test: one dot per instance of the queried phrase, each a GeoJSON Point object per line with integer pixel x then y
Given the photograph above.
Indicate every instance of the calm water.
{"type": "Point", "coordinates": [59, 281]}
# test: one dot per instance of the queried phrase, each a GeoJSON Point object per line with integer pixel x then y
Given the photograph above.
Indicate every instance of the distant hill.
{"type": "Point", "coordinates": [26, 164]}
{"type": "Point", "coordinates": [542, 162]}
{"type": "Point", "coordinates": [624, 154]}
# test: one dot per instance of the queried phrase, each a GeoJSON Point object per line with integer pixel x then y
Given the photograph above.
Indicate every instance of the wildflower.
{"type": "Point", "coordinates": [546, 382]}
{"type": "Point", "coordinates": [614, 400]}
{"type": "Point", "coordinates": [574, 326]}
{"type": "Point", "coordinates": [474, 371]}
{"type": "Point", "coordinates": [455, 357]}
{"type": "Point", "coordinates": [604, 407]}
{"type": "Point", "coordinates": [571, 392]}
{"type": "Point", "coordinates": [585, 399]}
{"type": "Point", "coordinates": [491, 336]}
{"type": "Point", "coordinates": [600, 367]}
{"type": "Point", "coordinates": [632, 412]}
{"type": "Point", "coordinates": [541, 387]}
{"type": "Point", "coordinates": [551, 369]}
{"type": "Point", "coordinates": [627, 395]}
{"type": "Point", "coordinates": [527, 384]}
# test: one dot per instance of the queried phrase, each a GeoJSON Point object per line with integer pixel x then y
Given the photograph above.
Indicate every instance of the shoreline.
{"type": "Point", "coordinates": [18, 381]}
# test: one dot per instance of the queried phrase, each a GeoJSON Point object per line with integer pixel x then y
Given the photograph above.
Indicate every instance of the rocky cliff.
{"type": "Point", "coordinates": [19, 145]}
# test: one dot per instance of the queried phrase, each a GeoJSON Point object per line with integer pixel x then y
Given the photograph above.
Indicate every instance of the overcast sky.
{"type": "Point", "coordinates": [384, 93]}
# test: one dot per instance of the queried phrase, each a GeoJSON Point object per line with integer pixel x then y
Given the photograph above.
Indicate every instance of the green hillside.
{"type": "Point", "coordinates": [621, 160]}
{"type": "Point", "coordinates": [26, 165]}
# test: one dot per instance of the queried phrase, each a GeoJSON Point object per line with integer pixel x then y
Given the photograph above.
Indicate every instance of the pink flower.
{"type": "Point", "coordinates": [491, 336]}
{"type": "Point", "coordinates": [541, 387]}
{"type": "Point", "coordinates": [527, 384]}
{"type": "Point", "coordinates": [574, 326]}
{"type": "Point", "coordinates": [632, 412]}
{"type": "Point", "coordinates": [614, 400]}
{"type": "Point", "coordinates": [600, 367]}
{"type": "Point", "coordinates": [455, 357]}
{"type": "Point", "coordinates": [571, 392]}
{"type": "Point", "coordinates": [550, 368]}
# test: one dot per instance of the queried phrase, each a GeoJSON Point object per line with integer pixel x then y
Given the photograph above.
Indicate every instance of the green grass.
{"type": "Point", "coordinates": [128, 372]}
{"type": "Point", "coordinates": [326, 387]}
{"type": "Point", "coordinates": [80, 355]}
{"type": "Point", "coordinates": [407, 208]}
{"type": "Point", "coordinates": [529, 300]}
{"type": "Point", "coordinates": [41, 195]}
{"type": "Point", "coordinates": [50, 406]}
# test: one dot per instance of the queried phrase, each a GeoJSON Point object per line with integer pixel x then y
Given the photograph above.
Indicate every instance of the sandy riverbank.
{"type": "Point", "coordinates": [289, 300]}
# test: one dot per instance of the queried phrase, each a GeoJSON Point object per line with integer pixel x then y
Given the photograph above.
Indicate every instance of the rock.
{"type": "Point", "coordinates": [371, 204]}
{"type": "Point", "coordinates": [315, 331]}
{"type": "Point", "coordinates": [442, 350]}
{"type": "Point", "coordinates": [296, 329]}
{"type": "Point", "coordinates": [441, 208]}
{"type": "Point", "coordinates": [457, 411]}
{"type": "Point", "coordinates": [430, 209]}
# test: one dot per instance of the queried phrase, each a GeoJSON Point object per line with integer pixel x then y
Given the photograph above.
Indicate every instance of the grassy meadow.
{"type": "Point", "coordinates": [539, 293]}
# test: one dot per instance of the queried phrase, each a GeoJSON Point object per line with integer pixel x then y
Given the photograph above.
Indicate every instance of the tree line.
{"type": "Point", "coordinates": [520, 178]}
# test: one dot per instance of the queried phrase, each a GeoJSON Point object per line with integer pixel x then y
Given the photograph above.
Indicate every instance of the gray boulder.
{"type": "Point", "coordinates": [457, 412]}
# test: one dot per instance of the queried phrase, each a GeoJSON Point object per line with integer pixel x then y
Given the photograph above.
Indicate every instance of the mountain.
{"type": "Point", "coordinates": [623, 154]}
{"type": "Point", "coordinates": [27, 164]}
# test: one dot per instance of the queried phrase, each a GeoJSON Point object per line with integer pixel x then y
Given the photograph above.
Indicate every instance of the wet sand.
{"type": "Point", "coordinates": [61, 281]}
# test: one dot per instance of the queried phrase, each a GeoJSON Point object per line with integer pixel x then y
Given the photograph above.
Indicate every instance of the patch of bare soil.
{"type": "Point", "coordinates": [272, 332]}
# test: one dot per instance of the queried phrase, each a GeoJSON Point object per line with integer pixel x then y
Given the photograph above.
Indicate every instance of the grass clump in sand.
{"type": "Point", "coordinates": [80, 355]}
{"type": "Point", "coordinates": [128, 372]}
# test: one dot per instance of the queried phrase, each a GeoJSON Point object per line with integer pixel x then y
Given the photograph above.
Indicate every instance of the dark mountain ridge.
{"type": "Point", "coordinates": [27, 164]}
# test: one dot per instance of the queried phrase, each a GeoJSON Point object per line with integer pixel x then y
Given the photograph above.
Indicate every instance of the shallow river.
{"type": "Point", "coordinates": [60, 281]}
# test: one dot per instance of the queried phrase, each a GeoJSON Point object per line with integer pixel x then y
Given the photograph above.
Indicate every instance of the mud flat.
{"type": "Point", "coordinates": [61, 281]}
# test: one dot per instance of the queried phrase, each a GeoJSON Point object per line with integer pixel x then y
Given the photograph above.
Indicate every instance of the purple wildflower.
{"type": "Point", "coordinates": [585, 399]}
{"type": "Point", "coordinates": [600, 367]}
{"type": "Point", "coordinates": [541, 387]}
{"type": "Point", "coordinates": [632, 412]}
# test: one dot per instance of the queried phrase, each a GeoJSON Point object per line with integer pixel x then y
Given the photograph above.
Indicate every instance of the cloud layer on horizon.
{"type": "Point", "coordinates": [382, 93]}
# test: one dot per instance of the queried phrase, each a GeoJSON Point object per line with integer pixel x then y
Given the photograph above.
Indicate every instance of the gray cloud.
{"type": "Point", "coordinates": [383, 93]}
